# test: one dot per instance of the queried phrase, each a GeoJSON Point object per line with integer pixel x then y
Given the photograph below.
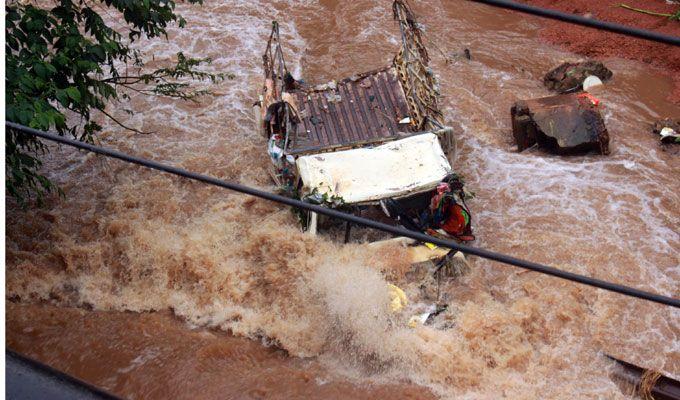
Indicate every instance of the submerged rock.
{"type": "Point", "coordinates": [563, 124]}
{"type": "Point", "coordinates": [569, 77]}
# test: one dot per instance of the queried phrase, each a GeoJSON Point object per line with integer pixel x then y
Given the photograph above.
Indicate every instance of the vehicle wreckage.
{"type": "Point", "coordinates": [374, 139]}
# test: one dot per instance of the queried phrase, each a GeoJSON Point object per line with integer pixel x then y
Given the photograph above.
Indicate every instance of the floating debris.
{"type": "Point", "coordinates": [668, 129]}
{"type": "Point", "coordinates": [570, 77]}
{"type": "Point", "coordinates": [590, 82]}
{"type": "Point", "coordinates": [398, 299]}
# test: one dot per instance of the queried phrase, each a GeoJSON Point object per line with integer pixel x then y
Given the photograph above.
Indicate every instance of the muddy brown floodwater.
{"type": "Point", "coordinates": [155, 287]}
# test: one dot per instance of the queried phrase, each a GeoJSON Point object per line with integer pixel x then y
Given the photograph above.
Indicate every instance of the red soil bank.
{"type": "Point", "coordinates": [596, 43]}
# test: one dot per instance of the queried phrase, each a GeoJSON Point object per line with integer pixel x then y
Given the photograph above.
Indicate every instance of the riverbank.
{"type": "Point", "coordinates": [601, 44]}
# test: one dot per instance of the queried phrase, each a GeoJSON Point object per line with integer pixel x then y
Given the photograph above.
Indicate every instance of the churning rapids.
{"type": "Point", "coordinates": [91, 277]}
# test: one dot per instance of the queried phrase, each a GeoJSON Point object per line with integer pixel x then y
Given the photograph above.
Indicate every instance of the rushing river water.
{"type": "Point", "coordinates": [90, 278]}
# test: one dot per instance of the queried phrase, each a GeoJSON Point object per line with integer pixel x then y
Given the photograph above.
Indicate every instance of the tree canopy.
{"type": "Point", "coordinates": [65, 62]}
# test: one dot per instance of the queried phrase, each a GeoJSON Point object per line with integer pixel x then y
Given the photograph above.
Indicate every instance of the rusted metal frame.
{"type": "Point", "coordinates": [415, 89]}
{"type": "Point", "coordinates": [424, 104]}
{"type": "Point", "coordinates": [288, 127]}
{"type": "Point", "coordinates": [267, 56]}
{"type": "Point", "coordinates": [409, 19]}
{"type": "Point", "coordinates": [406, 54]}
{"type": "Point", "coordinates": [281, 72]}
{"type": "Point", "coordinates": [414, 52]}
{"type": "Point", "coordinates": [383, 111]}
{"type": "Point", "coordinates": [412, 95]}
{"type": "Point", "coordinates": [274, 62]}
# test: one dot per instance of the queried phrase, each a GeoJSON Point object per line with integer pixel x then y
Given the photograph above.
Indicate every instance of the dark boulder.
{"type": "Point", "coordinates": [563, 124]}
{"type": "Point", "coordinates": [569, 77]}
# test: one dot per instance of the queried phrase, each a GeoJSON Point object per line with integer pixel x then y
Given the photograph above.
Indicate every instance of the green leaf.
{"type": "Point", "coordinates": [40, 70]}
{"type": "Point", "coordinates": [43, 121]}
{"type": "Point", "coordinates": [25, 116]}
{"type": "Point", "coordinates": [73, 93]}
{"type": "Point", "coordinates": [50, 69]}
{"type": "Point", "coordinates": [99, 52]}
{"type": "Point", "coordinates": [62, 97]}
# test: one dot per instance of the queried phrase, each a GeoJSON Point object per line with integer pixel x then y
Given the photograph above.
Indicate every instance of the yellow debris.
{"type": "Point", "coordinates": [398, 298]}
{"type": "Point", "coordinates": [430, 246]}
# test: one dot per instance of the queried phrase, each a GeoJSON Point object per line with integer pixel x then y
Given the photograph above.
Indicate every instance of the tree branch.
{"type": "Point", "coordinates": [123, 125]}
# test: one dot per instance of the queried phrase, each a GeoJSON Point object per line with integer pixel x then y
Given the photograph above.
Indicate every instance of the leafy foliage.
{"type": "Point", "coordinates": [65, 62]}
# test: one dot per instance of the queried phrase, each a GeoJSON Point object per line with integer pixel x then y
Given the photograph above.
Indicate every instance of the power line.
{"type": "Point", "coordinates": [28, 378]}
{"type": "Point", "coordinates": [589, 22]}
{"type": "Point", "coordinates": [395, 230]}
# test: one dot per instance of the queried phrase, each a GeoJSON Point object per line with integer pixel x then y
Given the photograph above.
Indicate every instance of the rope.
{"type": "Point", "coordinates": [589, 22]}
{"type": "Point", "coordinates": [647, 382]}
{"type": "Point", "coordinates": [395, 230]}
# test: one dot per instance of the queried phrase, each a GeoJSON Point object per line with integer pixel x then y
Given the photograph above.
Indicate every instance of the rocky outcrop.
{"type": "Point", "coordinates": [562, 124]}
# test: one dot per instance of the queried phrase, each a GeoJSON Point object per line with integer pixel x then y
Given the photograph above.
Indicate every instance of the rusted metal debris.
{"type": "Point", "coordinates": [366, 140]}
{"type": "Point", "coordinates": [563, 124]}
{"type": "Point", "coordinates": [362, 109]}
{"type": "Point", "coordinates": [367, 109]}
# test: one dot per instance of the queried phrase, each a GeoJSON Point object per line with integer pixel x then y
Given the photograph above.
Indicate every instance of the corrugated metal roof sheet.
{"type": "Point", "coordinates": [359, 110]}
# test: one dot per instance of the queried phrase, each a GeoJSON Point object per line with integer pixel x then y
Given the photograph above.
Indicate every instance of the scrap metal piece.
{"type": "Point", "coordinates": [397, 168]}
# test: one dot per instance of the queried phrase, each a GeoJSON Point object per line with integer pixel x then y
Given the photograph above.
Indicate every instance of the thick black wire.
{"type": "Point", "coordinates": [399, 231]}
{"type": "Point", "coordinates": [579, 20]}
{"type": "Point", "coordinates": [60, 379]}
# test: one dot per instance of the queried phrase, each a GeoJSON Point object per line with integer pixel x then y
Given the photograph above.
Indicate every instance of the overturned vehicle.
{"type": "Point", "coordinates": [372, 140]}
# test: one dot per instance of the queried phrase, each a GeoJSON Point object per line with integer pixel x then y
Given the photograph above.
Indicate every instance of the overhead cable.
{"type": "Point", "coordinates": [395, 230]}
